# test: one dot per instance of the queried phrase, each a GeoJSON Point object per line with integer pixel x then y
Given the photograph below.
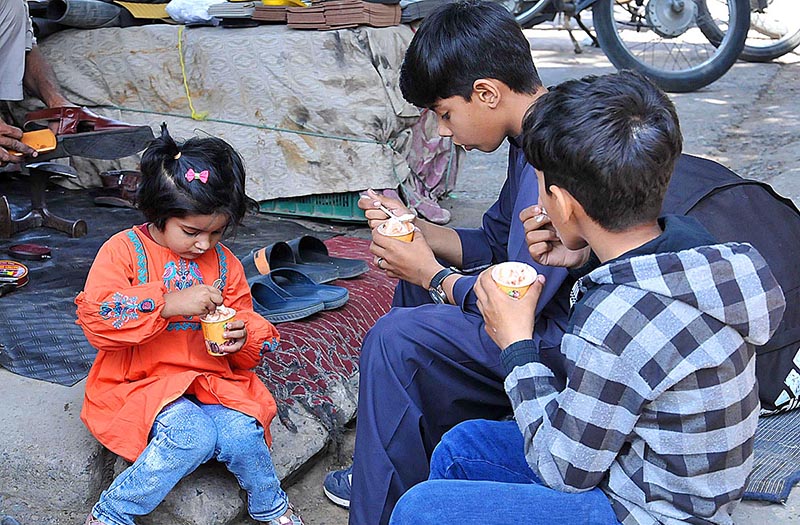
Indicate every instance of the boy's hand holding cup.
{"type": "Point", "coordinates": [506, 301]}
{"type": "Point", "coordinates": [514, 278]}
{"type": "Point", "coordinates": [397, 229]}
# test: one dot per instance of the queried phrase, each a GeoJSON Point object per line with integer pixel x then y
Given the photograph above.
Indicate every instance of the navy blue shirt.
{"type": "Point", "coordinates": [502, 238]}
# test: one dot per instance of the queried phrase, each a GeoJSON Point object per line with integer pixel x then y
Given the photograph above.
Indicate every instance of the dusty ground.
{"type": "Point", "coordinates": [747, 120]}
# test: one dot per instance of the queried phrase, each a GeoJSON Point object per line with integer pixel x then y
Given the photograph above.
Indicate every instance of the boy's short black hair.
{"type": "Point", "coordinates": [611, 141]}
{"type": "Point", "coordinates": [461, 42]}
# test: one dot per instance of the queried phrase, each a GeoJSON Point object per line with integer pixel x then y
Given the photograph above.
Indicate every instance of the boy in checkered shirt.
{"type": "Point", "coordinates": [652, 418]}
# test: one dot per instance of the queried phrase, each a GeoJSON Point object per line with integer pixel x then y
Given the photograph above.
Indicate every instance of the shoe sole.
{"type": "Point", "coordinates": [336, 499]}
{"type": "Point", "coordinates": [294, 315]}
{"type": "Point", "coordinates": [332, 305]}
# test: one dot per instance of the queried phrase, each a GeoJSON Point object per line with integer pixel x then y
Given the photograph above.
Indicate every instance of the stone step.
{"type": "Point", "coordinates": [52, 469]}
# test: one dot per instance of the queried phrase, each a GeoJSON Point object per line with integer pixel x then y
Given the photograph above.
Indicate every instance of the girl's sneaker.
{"type": "Point", "coordinates": [292, 519]}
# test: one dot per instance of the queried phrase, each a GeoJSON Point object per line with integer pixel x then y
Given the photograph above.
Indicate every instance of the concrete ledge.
{"type": "Point", "coordinates": [52, 469]}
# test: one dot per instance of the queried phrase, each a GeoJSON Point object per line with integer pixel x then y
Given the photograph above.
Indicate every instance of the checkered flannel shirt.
{"type": "Point", "coordinates": [661, 401]}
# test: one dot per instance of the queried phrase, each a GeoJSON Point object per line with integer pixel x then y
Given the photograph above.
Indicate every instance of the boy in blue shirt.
{"type": "Point", "coordinates": [655, 418]}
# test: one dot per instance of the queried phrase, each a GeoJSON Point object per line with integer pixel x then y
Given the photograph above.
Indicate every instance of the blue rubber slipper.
{"type": "Point", "coordinates": [310, 250]}
{"type": "Point", "coordinates": [300, 285]}
{"type": "Point", "coordinates": [277, 305]}
{"type": "Point", "coordinates": [279, 255]}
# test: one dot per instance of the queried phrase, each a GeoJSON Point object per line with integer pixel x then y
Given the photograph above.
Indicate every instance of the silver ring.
{"type": "Point", "coordinates": [378, 263]}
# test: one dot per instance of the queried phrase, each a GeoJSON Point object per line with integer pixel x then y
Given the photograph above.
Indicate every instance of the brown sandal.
{"type": "Point", "coordinates": [73, 120]}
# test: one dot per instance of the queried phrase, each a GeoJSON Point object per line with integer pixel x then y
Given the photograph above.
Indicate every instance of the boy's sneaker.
{"type": "Point", "coordinates": [337, 486]}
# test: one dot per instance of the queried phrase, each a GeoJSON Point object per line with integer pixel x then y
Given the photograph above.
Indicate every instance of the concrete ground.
{"type": "Point", "coordinates": [747, 120]}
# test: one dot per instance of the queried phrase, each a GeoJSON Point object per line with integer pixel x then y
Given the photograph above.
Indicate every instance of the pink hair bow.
{"type": "Point", "coordinates": [202, 176]}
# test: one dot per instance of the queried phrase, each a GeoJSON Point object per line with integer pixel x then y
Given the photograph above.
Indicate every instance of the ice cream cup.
{"type": "Point", "coordinates": [400, 230]}
{"type": "Point", "coordinates": [514, 278]}
{"type": "Point", "coordinates": [213, 328]}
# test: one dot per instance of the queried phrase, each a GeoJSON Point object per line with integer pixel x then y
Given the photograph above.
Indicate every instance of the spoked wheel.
{"type": "Point", "coordinates": [525, 11]}
{"type": "Point", "coordinates": [774, 29]}
{"type": "Point", "coordinates": [662, 38]}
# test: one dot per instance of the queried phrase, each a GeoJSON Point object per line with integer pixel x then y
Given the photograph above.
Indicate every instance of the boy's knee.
{"type": "Point", "coordinates": [417, 505]}
{"type": "Point", "coordinates": [442, 457]}
{"type": "Point", "coordinates": [387, 332]}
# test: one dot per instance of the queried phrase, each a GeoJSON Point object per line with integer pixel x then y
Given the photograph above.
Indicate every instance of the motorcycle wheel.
{"type": "Point", "coordinates": [774, 30]}
{"type": "Point", "coordinates": [525, 12]}
{"type": "Point", "coordinates": [666, 44]}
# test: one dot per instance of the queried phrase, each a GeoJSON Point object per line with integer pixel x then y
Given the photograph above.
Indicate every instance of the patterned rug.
{"type": "Point", "coordinates": [320, 350]}
{"type": "Point", "coordinates": [777, 458]}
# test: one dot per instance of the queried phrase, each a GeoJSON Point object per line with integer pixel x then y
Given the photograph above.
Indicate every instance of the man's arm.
{"type": "Point", "coordinates": [40, 80]}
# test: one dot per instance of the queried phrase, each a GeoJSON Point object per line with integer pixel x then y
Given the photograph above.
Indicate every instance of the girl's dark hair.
{"type": "Point", "coordinates": [611, 141]}
{"type": "Point", "coordinates": [217, 180]}
{"type": "Point", "coordinates": [461, 42]}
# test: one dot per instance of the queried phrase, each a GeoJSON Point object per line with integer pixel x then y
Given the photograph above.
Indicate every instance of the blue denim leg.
{"type": "Point", "coordinates": [182, 438]}
{"type": "Point", "coordinates": [479, 476]}
{"type": "Point", "coordinates": [241, 447]}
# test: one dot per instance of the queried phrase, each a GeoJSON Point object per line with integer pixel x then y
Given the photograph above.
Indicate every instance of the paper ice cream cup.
{"type": "Point", "coordinates": [213, 328]}
{"type": "Point", "coordinates": [402, 231]}
{"type": "Point", "coordinates": [514, 278]}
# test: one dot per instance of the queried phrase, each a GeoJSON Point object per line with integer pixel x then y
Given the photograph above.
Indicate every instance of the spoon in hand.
{"type": "Point", "coordinates": [389, 213]}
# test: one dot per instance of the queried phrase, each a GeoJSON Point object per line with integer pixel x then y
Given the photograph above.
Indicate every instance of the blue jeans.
{"type": "Point", "coordinates": [187, 433]}
{"type": "Point", "coordinates": [479, 476]}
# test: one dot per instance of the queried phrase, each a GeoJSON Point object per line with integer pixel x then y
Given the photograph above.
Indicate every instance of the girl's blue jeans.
{"type": "Point", "coordinates": [185, 434]}
{"type": "Point", "coordinates": [479, 476]}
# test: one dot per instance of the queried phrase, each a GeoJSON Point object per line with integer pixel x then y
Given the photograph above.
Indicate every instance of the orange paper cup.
{"type": "Point", "coordinates": [514, 278]}
{"type": "Point", "coordinates": [212, 333]}
{"type": "Point", "coordinates": [405, 236]}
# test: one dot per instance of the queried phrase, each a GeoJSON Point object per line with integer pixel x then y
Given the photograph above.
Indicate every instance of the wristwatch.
{"type": "Point", "coordinates": [435, 289]}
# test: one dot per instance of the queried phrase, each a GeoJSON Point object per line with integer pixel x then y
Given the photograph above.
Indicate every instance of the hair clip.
{"type": "Point", "coordinates": [201, 176]}
{"type": "Point", "coordinates": [177, 156]}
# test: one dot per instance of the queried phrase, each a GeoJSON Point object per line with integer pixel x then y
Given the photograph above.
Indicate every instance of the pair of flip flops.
{"type": "Point", "coordinates": [287, 278]}
{"type": "Point", "coordinates": [307, 254]}
{"type": "Point", "coordinates": [287, 294]}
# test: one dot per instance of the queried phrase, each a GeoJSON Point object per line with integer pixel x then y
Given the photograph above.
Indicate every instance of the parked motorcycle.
{"type": "Point", "coordinates": [663, 39]}
{"type": "Point", "coordinates": [774, 30]}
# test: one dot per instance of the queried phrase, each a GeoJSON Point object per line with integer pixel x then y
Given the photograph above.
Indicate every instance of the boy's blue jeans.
{"type": "Point", "coordinates": [186, 434]}
{"type": "Point", "coordinates": [479, 476]}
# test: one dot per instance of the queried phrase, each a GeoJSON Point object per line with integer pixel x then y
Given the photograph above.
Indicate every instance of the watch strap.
{"type": "Point", "coordinates": [439, 277]}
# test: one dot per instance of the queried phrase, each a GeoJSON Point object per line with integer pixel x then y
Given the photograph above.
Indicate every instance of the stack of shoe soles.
{"type": "Point", "coordinates": [82, 133]}
{"type": "Point", "coordinates": [340, 14]}
{"type": "Point", "coordinates": [232, 10]}
{"type": "Point", "coordinates": [119, 188]}
{"type": "Point", "coordinates": [270, 13]}
{"type": "Point", "coordinates": [287, 278]}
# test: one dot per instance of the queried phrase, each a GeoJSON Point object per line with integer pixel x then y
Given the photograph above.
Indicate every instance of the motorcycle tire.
{"type": "Point", "coordinates": [529, 16]}
{"type": "Point", "coordinates": [758, 46]}
{"type": "Point", "coordinates": [618, 36]}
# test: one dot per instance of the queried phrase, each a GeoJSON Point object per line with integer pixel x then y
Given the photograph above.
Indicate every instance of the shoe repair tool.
{"type": "Point", "coordinates": [12, 272]}
{"type": "Point", "coordinates": [30, 252]}
{"type": "Point", "coordinates": [42, 140]}
{"type": "Point", "coordinates": [402, 218]}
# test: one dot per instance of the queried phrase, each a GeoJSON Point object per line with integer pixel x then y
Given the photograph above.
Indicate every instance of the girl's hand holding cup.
{"type": "Point", "coordinates": [508, 318]}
